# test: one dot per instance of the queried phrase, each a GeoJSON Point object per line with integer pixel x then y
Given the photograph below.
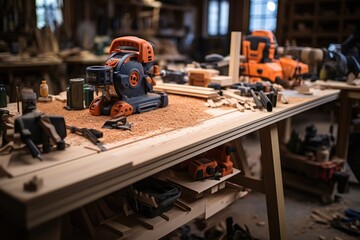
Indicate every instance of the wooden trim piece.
{"type": "Point", "coordinates": [186, 90]}
{"type": "Point", "coordinates": [234, 56]}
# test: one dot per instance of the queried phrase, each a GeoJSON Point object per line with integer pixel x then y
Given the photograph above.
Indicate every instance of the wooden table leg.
{"type": "Point", "coordinates": [343, 125]}
{"type": "Point", "coordinates": [273, 187]}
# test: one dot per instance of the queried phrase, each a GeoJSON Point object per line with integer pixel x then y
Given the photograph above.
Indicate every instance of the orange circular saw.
{"type": "Point", "coordinates": [126, 80]}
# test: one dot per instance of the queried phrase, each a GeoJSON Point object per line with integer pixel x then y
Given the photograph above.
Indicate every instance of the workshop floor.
{"type": "Point", "coordinates": [251, 210]}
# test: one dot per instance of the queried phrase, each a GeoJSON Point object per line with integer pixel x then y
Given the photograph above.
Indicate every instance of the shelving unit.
{"type": "Point", "coordinates": [150, 18]}
{"type": "Point", "coordinates": [318, 23]}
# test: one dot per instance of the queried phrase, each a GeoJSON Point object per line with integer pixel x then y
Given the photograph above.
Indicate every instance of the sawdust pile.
{"type": "Point", "coordinates": [180, 113]}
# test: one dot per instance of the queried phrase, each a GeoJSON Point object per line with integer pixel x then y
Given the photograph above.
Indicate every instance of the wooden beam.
{"type": "Point", "coordinates": [271, 168]}
{"type": "Point", "coordinates": [234, 56]}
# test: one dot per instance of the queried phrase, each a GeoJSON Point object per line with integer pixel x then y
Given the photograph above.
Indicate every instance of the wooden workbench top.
{"type": "Point", "coordinates": [74, 182]}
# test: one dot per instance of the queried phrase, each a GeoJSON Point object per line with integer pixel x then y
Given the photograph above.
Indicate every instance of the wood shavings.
{"type": "Point", "coordinates": [180, 113]}
{"type": "Point", "coordinates": [233, 100]}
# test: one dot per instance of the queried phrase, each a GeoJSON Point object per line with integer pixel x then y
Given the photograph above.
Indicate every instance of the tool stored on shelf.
{"type": "Point", "coordinates": [92, 135]}
{"type": "Point", "coordinates": [202, 168]}
{"type": "Point", "coordinates": [215, 163]}
{"type": "Point", "coordinates": [222, 155]}
{"type": "Point", "coordinates": [152, 197]}
{"type": "Point", "coordinates": [126, 80]}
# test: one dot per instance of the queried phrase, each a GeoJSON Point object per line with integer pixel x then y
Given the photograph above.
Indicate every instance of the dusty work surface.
{"type": "Point", "coordinates": [181, 112]}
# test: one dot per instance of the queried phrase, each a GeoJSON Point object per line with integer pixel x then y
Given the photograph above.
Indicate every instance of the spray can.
{"type": "Point", "coordinates": [3, 101]}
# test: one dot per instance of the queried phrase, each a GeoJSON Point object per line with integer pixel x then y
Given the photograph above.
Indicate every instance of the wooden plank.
{"type": "Point", "coordinates": [234, 56]}
{"type": "Point", "coordinates": [182, 90]}
{"type": "Point", "coordinates": [224, 81]}
{"type": "Point", "coordinates": [183, 179]}
{"type": "Point", "coordinates": [211, 103]}
{"type": "Point", "coordinates": [21, 163]}
{"type": "Point", "coordinates": [240, 107]}
{"type": "Point", "coordinates": [172, 85]}
{"type": "Point", "coordinates": [216, 202]}
{"type": "Point", "coordinates": [233, 95]}
{"type": "Point", "coordinates": [177, 219]}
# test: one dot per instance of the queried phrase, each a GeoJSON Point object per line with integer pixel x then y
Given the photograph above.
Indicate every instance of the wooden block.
{"type": "Point", "coordinates": [211, 103]}
{"type": "Point", "coordinates": [214, 189]}
{"type": "Point", "coordinates": [240, 107]}
{"type": "Point", "coordinates": [219, 103]}
{"type": "Point", "coordinates": [224, 81]}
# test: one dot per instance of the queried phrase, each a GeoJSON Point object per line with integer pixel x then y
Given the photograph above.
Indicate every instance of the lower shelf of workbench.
{"type": "Point", "coordinates": [111, 217]}
{"type": "Point", "coordinates": [137, 227]}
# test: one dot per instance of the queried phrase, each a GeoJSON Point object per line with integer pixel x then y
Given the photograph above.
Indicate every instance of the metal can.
{"type": "Point", "coordinates": [76, 93]}
{"type": "Point", "coordinates": [88, 95]}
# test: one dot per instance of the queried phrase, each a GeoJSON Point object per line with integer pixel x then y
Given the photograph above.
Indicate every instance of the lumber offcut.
{"type": "Point", "coordinates": [193, 91]}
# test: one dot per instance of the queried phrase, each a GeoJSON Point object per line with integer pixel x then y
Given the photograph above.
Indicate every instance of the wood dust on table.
{"type": "Point", "coordinates": [181, 112]}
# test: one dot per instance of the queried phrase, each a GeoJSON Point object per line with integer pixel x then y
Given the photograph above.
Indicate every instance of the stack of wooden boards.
{"type": "Point", "coordinates": [193, 91]}
{"type": "Point", "coordinates": [201, 77]}
{"type": "Point", "coordinates": [228, 98]}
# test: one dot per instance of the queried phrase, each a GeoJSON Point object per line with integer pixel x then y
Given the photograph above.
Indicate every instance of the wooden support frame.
{"type": "Point", "coordinates": [343, 124]}
{"type": "Point", "coordinates": [271, 183]}
{"type": "Point", "coordinates": [271, 167]}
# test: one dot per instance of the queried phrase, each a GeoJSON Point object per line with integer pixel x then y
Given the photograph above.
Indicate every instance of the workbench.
{"type": "Point", "coordinates": [91, 175]}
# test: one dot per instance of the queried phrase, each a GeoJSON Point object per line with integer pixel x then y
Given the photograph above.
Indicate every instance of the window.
{"type": "Point", "coordinates": [48, 13]}
{"type": "Point", "coordinates": [263, 15]}
{"type": "Point", "coordinates": [218, 17]}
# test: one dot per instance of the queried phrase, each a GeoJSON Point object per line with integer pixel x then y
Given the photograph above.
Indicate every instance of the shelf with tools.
{"type": "Point", "coordinates": [319, 23]}
{"type": "Point", "coordinates": [114, 217]}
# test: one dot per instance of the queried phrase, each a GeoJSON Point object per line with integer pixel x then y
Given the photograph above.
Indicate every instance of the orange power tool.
{"type": "Point", "coordinates": [126, 80]}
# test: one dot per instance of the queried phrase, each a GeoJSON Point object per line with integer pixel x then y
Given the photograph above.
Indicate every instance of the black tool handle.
{"type": "Point", "coordinates": [34, 150]}
{"type": "Point", "coordinates": [256, 100]}
{"type": "Point", "coordinates": [265, 101]}
{"type": "Point", "coordinates": [89, 135]}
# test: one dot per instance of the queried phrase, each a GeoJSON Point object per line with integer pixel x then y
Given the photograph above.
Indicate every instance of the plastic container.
{"type": "Point", "coordinates": [44, 89]}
